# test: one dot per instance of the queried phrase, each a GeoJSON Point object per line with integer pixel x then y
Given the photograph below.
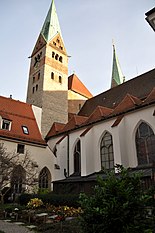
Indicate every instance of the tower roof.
{"type": "Point", "coordinates": [77, 86]}
{"type": "Point", "coordinates": [117, 75]}
{"type": "Point", "coordinates": [51, 25]}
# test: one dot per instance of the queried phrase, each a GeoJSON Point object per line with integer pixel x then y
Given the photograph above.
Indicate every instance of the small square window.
{"type": "Point", "coordinates": [6, 124]}
{"type": "Point", "coordinates": [20, 148]}
{"type": "Point", "coordinates": [25, 130]}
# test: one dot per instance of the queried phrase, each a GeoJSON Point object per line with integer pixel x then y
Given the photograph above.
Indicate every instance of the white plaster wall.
{"type": "Point", "coordinates": [132, 122]}
{"type": "Point", "coordinates": [61, 156]}
{"type": "Point", "coordinates": [37, 113]}
{"type": "Point", "coordinates": [123, 143]}
{"type": "Point", "coordinates": [73, 138]}
{"type": "Point", "coordinates": [41, 155]}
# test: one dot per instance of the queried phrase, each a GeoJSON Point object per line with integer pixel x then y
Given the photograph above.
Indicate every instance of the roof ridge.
{"type": "Point", "coordinates": [19, 115]}
{"type": "Point", "coordinates": [123, 105]}
{"type": "Point", "coordinates": [134, 99]}
{"type": "Point", "coordinates": [151, 96]}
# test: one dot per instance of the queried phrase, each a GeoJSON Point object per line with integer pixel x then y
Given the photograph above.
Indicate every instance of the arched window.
{"type": "Point", "coordinates": [45, 179]}
{"type": "Point", "coordinates": [18, 179]}
{"type": "Point", "coordinates": [145, 144]}
{"type": "Point", "coordinates": [52, 75]}
{"type": "Point", "coordinates": [106, 151]}
{"type": "Point", "coordinates": [77, 158]}
{"type": "Point", "coordinates": [60, 58]}
{"type": "Point", "coordinates": [60, 79]}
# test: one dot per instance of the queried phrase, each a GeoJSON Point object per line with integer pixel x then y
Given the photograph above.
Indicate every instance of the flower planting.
{"type": "Point", "coordinates": [34, 203]}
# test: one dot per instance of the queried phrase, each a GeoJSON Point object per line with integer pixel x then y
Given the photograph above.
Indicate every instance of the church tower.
{"type": "Point", "coordinates": [48, 75]}
{"type": "Point", "coordinates": [117, 75]}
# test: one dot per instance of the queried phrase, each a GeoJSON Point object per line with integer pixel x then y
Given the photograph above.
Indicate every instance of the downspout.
{"type": "Point", "coordinates": [68, 155]}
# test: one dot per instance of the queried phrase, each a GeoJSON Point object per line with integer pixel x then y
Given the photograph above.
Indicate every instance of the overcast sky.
{"type": "Point", "coordinates": [88, 28]}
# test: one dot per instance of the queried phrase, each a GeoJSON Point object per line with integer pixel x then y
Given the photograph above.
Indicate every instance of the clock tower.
{"type": "Point", "coordinates": [48, 75]}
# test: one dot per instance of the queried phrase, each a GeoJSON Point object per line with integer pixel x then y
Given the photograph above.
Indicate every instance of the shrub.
{"type": "Point", "coordinates": [51, 198]}
{"type": "Point", "coordinates": [118, 205]}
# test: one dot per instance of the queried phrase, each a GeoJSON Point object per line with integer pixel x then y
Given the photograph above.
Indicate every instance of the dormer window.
{"type": "Point", "coordinates": [25, 130]}
{"type": "Point", "coordinates": [6, 124]}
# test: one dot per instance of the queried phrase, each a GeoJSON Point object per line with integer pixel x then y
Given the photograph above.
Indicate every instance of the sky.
{"type": "Point", "coordinates": [88, 28]}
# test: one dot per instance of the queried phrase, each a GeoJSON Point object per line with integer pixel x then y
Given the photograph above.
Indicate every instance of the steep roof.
{"type": "Point", "coordinates": [139, 87]}
{"type": "Point", "coordinates": [117, 75]}
{"type": "Point", "coordinates": [127, 103]}
{"type": "Point", "coordinates": [56, 127]}
{"type": "Point", "coordinates": [77, 86]}
{"type": "Point", "coordinates": [99, 113]}
{"type": "Point", "coordinates": [51, 25]}
{"type": "Point", "coordinates": [74, 122]}
{"type": "Point", "coordinates": [19, 114]}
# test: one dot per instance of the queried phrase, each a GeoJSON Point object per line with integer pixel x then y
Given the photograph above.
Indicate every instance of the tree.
{"type": "Point", "coordinates": [117, 205]}
{"type": "Point", "coordinates": [18, 172]}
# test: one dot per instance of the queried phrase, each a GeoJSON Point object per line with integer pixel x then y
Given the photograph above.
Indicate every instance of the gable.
{"type": "Point", "coordinates": [39, 45]}
{"type": "Point", "coordinates": [57, 43]}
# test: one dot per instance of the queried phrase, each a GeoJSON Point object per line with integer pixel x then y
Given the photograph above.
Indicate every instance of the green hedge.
{"type": "Point", "coordinates": [51, 198]}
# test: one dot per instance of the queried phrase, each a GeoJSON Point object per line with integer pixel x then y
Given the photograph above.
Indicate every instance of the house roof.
{"type": "Point", "coordinates": [127, 103]}
{"type": "Point", "coordinates": [77, 86]}
{"type": "Point", "coordinates": [56, 127]}
{"type": "Point", "coordinates": [73, 123]}
{"type": "Point", "coordinates": [99, 112]}
{"type": "Point", "coordinates": [19, 114]}
{"type": "Point", "coordinates": [139, 87]}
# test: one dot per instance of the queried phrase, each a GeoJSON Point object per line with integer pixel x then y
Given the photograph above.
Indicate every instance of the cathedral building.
{"type": "Point", "coordinates": [72, 135]}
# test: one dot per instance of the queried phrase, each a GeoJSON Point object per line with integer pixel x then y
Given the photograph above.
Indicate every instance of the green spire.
{"type": "Point", "coordinates": [51, 25]}
{"type": "Point", "coordinates": [117, 75]}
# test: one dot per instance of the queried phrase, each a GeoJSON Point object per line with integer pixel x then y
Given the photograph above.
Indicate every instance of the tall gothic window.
{"type": "Point", "coordinates": [145, 144]}
{"type": "Point", "coordinates": [106, 151]}
{"type": "Point", "coordinates": [18, 179]}
{"type": "Point", "coordinates": [77, 158]}
{"type": "Point", "coordinates": [45, 179]}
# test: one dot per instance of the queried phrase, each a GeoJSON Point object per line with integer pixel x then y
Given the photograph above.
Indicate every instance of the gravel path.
{"type": "Point", "coordinates": [8, 227]}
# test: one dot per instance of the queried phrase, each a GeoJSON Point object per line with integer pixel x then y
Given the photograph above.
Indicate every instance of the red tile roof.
{"type": "Point", "coordinates": [99, 113]}
{"type": "Point", "coordinates": [20, 114]}
{"type": "Point", "coordinates": [56, 127]}
{"type": "Point", "coordinates": [151, 97]}
{"type": "Point", "coordinates": [127, 103]}
{"type": "Point", "coordinates": [74, 122]}
{"type": "Point", "coordinates": [76, 85]}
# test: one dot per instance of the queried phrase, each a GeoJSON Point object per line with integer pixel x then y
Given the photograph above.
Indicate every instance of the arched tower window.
{"type": "Point", "coordinates": [106, 151]}
{"type": "Point", "coordinates": [145, 144]}
{"type": "Point", "coordinates": [60, 79]}
{"type": "Point", "coordinates": [18, 179]}
{"type": "Point", "coordinates": [77, 158]}
{"type": "Point", "coordinates": [45, 179]}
